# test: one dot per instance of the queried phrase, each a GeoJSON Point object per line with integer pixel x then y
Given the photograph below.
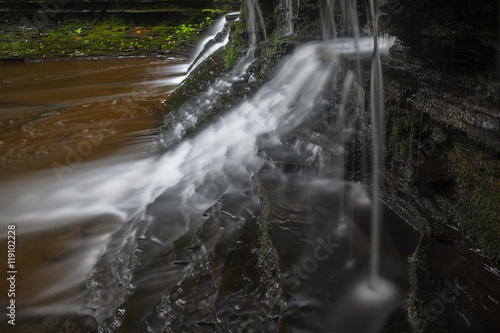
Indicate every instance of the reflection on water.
{"type": "Point", "coordinates": [66, 128]}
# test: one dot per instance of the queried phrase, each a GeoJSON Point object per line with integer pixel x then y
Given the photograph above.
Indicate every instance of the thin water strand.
{"type": "Point", "coordinates": [328, 18]}
{"type": "Point", "coordinates": [377, 118]}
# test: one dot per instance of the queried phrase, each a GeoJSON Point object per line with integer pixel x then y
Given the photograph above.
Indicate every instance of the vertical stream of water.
{"type": "Point", "coordinates": [377, 118]}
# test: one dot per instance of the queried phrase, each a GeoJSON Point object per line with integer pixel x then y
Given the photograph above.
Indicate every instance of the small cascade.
{"type": "Point", "coordinates": [254, 18]}
{"type": "Point", "coordinates": [344, 28]}
{"type": "Point", "coordinates": [192, 114]}
{"type": "Point", "coordinates": [349, 27]}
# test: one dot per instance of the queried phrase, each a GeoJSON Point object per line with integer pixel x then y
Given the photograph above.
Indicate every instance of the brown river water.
{"type": "Point", "coordinates": [64, 123]}
{"type": "Point", "coordinates": [67, 112]}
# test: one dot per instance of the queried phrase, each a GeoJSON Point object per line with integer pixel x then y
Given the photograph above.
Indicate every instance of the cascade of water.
{"type": "Point", "coordinates": [191, 114]}
{"type": "Point", "coordinates": [209, 160]}
{"type": "Point", "coordinates": [281, 105]}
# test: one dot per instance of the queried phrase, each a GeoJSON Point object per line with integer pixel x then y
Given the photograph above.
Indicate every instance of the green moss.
{"type": "Point", "coordinates": [113, 36]}
{"type": "Point", "coordinates": [399, 133]}
{"type": "Point", "coordinates": [399, 142]}
{"type": "Point", "coordinates": [231, 56]}
{"type": "Point", "coordinates": [237, 42]}
{"type": "Point", "coordinates": [478, 178]}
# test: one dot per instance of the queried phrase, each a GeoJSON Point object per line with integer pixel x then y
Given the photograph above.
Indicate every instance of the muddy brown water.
{"type": "Point", "coordinates": [63, 112]}
{"type": "Point", "coordinates": [56, 119]}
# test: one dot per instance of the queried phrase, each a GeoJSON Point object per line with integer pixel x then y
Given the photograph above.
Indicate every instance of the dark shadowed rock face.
{"type": "Point", "coordinates": [98, 5]}
{"type": "Point", "coordinates": [442, 92]}
{"type": "Point", "coordinates": [446, 63]}
{"type": "Point", "coordinates": [140, 11]}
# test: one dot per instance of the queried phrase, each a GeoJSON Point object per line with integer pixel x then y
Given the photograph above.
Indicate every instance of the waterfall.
{"type": "Point", "coordinates": [203, 157]}
{"type": "Point", "coordinates": [194, 173]}
{"type": "Point", "coordinates": [349, 26]}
